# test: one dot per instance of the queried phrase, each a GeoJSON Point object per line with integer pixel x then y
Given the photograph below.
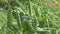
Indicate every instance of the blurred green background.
{"type": "Point", "coordinates": [29, 17]}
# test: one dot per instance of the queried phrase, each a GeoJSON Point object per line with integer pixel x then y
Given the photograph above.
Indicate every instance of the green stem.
{"type": "Point", "coordinates": [30, 7]}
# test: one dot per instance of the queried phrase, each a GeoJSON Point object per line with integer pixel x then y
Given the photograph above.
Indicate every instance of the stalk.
{"type": "Point", "coordinates": [29, 7]}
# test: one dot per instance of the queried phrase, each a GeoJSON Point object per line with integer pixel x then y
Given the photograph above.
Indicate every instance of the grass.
{"type": "Point", "coordinates": [29, 17]}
